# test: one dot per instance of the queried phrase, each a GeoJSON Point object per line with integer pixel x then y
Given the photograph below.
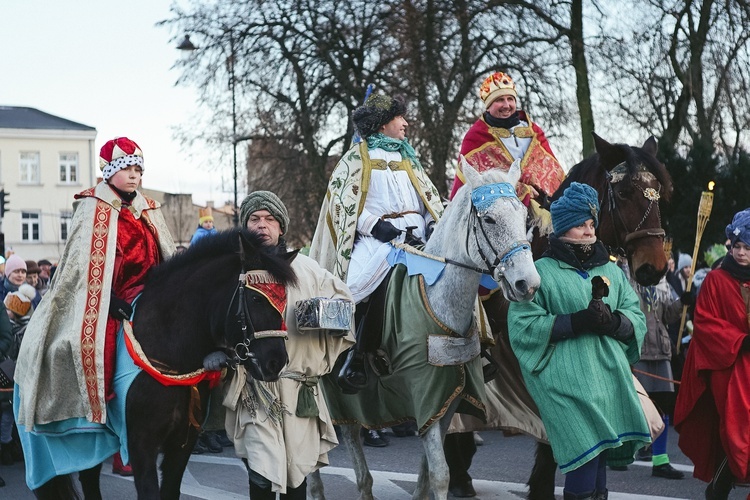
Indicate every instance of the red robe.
{"type": "Point", "coordinates": [137, 252]}
{"type": "Point", "coordinates": [483, 151]}
{"type": "Point", "coordinates": [712, 413]}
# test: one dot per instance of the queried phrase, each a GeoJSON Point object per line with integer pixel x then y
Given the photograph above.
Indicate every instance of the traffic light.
{"type": "Point", "coordinates": [3, 202]}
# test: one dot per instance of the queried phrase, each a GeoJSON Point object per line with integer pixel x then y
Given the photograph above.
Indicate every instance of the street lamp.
{"type": "Point", "coordinates": [187, 45]}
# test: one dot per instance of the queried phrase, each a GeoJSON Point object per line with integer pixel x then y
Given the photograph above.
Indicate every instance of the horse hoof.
{"type": "Point", "coordinates": [465, 490]}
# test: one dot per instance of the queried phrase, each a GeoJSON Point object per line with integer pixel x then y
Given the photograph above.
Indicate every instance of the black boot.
{"type": "Point", "coordinates": [260, 493]}
{"type": "Point", "coordinates": [353, 377]}
{"type": "Point", "coordinates": [298, 493]}
{"type": "Point", "coordinates": [721, 485]}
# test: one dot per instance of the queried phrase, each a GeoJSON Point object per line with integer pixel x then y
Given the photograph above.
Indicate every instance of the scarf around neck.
{"type": "Point", "coordinates": [506, 123]}
{"type": "Point", "coordinates": [581, 257]}
{"type": "Point", "coordinates": [737, 271]}
{"type": "Point", "coordinates": [382, 141]}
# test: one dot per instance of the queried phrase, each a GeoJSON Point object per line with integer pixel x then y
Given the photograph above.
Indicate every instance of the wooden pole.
{"type": "Point", "coordinates": [704, 213]}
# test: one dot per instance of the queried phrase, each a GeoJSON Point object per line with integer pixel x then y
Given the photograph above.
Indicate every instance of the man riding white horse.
{"type": "Point", "coordinates": [377, 191]}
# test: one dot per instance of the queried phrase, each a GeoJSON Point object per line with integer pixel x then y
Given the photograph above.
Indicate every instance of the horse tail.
{"type": "Point", "coordinates": [58, 488]}
{"type": "Point", "coordinates": [542, 480]}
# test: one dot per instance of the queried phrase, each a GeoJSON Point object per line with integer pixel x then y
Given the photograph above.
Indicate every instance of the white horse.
{"type": "Point", "coordinates": [483, 229]}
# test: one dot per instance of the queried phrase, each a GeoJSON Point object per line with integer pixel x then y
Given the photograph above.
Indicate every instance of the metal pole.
{"type": "Point", "coordinates": [234, 131]}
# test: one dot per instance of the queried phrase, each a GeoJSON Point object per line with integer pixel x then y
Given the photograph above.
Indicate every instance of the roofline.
{"type": "Point", "coordinates": [32, 133]}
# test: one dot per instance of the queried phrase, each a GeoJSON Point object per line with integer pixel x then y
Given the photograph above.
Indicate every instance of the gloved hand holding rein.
{"type": "Point", "coordinates": [119, 309]}
{"type": "Point", "coordinates": [384, 231]}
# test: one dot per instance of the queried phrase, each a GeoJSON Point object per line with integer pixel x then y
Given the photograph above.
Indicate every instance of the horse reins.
{"type": "Point", "coordinates": [651, 194]}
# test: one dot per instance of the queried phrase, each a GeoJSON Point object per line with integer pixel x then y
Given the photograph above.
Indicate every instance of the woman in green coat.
{"type": "Point", "coordinates": [575, 343]}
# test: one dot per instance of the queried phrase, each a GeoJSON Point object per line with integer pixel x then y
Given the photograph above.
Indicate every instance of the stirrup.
{"type": "Point", "coordinates": [352, 377]}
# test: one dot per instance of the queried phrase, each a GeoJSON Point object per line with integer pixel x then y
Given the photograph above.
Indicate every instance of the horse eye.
{"type": "Point", "coordinates": [488, 219]}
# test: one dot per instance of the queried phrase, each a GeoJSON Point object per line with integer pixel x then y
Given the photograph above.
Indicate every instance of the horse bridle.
{"type": "Point", "coordinates": [497, 267]}
{"type": "Point", "coordinates": [651, 194]}
{"type": "Point", "coordinates": [242, 315]}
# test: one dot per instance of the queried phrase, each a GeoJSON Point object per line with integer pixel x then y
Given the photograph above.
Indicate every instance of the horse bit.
{"type": "Point", "coordinates": [616, 175]}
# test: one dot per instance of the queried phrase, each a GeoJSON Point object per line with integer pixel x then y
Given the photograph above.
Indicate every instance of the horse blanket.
{"type": "Point", "coordinates": [415, 390]}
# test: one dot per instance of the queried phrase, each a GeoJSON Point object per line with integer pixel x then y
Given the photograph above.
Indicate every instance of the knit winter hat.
{"type": "Point", "coordinates": [32, 267]}
{"type": "Point", "coordinates": [14, 262]}
{"type": "Point", "coordinates": [578, 204]}
{"type": "Point", "coordinates": [20, 302]}
{"type": "Point", "coordinates": [117, 154]}
{"type": "Point", "coordinates": [683, 261]}
{"type": "Point", "coordinates": [377, 110]}
{"type": "Point", "coordinates": [264, 200]}
{"type": "Point", "coordinates": [739, 229]}
{"type": "Point", "coordinates": [494, 86]}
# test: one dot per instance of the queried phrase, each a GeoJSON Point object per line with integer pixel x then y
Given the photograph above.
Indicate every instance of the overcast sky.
{"type": "Point", "coordinates": [104, 63]}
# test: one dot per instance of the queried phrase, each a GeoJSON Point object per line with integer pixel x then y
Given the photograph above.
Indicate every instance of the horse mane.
{"type": "Point", "coordinates": [590, 170]}
{"type": "Point", "coordinates": [227, 244]}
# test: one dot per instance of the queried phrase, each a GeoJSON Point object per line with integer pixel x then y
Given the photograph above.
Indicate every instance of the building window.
{"type": "Point", "coordinates": [69, 168]}
{"type": "Point", "coordinates": [29, 164]}
{"type": "Point", "coordinates": [29, 226]}
{"type": "Point", "coordinates": [65, 219]}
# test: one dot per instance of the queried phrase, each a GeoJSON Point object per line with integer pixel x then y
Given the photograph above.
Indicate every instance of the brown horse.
{"type": "Point", "coordinates": [631, 182]}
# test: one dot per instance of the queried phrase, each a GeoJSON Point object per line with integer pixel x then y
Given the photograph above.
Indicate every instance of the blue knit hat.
{"type": "Point", "coordinates": [739, 229]}
{"type": "Point", "coordinates": [579, 203]}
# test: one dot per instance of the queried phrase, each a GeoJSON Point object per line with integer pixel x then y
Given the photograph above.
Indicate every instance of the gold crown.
{"type": "Point", "coordinates": [494, 86]}
{"type": "Point", "coordinates": [205, 214]}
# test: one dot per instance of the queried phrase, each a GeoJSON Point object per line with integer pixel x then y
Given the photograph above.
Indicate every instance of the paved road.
{"type": "Point", "coordinates": [500, 469]}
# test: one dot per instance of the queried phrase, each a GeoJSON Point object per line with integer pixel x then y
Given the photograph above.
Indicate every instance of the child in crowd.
{"type": "Point", "coordinates": [205, 224]}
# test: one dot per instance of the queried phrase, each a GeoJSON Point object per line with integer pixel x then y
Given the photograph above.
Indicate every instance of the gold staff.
{"type": "Point", "coordinates": [704, 212]}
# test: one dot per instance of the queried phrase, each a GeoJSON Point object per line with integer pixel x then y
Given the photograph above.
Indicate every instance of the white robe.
{"type": "Point", "coordinates": [390, 191]}
{"type": "Point", "coordinates": [286, 453]}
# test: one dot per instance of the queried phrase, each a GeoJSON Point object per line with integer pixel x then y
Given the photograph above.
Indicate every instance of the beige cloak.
{"type": "Point", "coordinates": [347, 191]}
{"type": "Point", "coordinates": [60, 368]}
{"type": "Point", "coordinates": [286, 452]}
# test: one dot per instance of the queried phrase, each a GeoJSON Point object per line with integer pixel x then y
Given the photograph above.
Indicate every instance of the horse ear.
{"type": "Point", "coordinates": [473, 179]}
{"type": "Point", "coordinates": [514, 172]}
{"type": "Point", "coordinates": [610, 155]}
{"type": "Point", "coordinates": [650, 146]}
{"type": "Point", "coordinates": [289, 256]}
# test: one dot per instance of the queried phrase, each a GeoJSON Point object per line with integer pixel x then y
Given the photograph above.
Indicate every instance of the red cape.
{"type": "Point", "coordinates": [712, 413]}
{"type": "Point", "coordinates": [540, 168]}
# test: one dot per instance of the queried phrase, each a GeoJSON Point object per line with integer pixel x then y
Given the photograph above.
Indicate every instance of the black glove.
{"type": "Point", "coordinates": [215, 361]}
{"type": "Point", "coordinates": [384, 231]}
{"type": "Point", "coordinates": [596, 318]}
{"type": "Point", "coordinates": [119, 309]}
{"type": "Point", "coordinates": [687, 299]}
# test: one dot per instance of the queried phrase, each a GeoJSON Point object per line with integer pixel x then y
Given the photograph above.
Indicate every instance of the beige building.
{"type": "Point", "coordinates": [44, 161]}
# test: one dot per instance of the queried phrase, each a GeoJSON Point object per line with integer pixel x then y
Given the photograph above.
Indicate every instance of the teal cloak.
{"type": "Point", "coordinates": [583, 386]}
{"type": "Point", "coordinates": [415, 390]}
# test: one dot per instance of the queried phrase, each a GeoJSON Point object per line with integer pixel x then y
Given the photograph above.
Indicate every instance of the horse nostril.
{"type": "Point", "coordinates": [522, 287]}
{"type": "Point", "coordinates": [647, 275]}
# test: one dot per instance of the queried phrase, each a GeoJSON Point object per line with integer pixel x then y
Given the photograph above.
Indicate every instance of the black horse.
{"type": "Point", "coordinates": [193, 304]}
{"type": "Point", "coordinates": [631, 183]}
